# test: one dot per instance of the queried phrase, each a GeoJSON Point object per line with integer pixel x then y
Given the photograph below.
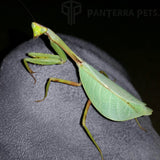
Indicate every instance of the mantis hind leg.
{"type": "Point", "coordinates": [104, 73]}
{"type": "Point", "coordinates": [87, 130]}
{"type": "Point", "coordinates": [60, 81]}
{"type": "Point", "coordinates": [140, 125]}
{"type": "Point", "coordinates": [135, 118]}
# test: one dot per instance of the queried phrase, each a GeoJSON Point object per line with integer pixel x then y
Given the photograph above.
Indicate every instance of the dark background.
{"type": "Point", "coordinates": [131, 34]}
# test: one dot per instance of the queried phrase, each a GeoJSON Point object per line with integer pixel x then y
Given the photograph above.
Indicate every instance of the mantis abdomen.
{"type": "Point", "coordinates": [115, 104]}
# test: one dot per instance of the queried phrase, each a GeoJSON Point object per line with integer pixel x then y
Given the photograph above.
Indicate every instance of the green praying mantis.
{"type": "Point", "coordinates": [112, 101]}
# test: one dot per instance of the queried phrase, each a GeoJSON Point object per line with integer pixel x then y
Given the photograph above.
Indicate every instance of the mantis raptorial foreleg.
{"type": "Point", "coordinates": [45, 59]}
{"type": "Point", "coordinates": [60, 81]}
{"type": "Point", "coordinates": [87, 130]}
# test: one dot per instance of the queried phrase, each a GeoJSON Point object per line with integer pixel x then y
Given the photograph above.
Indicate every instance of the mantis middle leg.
{"type": "Point", "coordinates": [60, 81]}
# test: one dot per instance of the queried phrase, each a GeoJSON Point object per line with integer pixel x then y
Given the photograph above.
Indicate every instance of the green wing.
{"type": "Point", "coordinates": [108, 98]}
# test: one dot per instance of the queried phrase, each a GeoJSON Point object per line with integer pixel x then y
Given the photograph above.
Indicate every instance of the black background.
{"type": "Point", "coordinates": [131, 34]}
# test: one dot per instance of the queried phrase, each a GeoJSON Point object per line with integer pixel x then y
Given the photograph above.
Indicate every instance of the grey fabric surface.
{"type": "Point", "coordinates": [51, 130]}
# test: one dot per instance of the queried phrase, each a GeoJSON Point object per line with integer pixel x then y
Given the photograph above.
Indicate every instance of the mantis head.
{"type": "Point", "coordinates": [38, 29]}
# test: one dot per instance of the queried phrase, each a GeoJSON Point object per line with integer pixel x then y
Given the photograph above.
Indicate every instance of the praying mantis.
{"type": "Point", "coordinates": [109, 99]}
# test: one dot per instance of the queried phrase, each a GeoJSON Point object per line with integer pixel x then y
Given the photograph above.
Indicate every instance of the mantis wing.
{"type": "Point", "coordinates": [108, 98]}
